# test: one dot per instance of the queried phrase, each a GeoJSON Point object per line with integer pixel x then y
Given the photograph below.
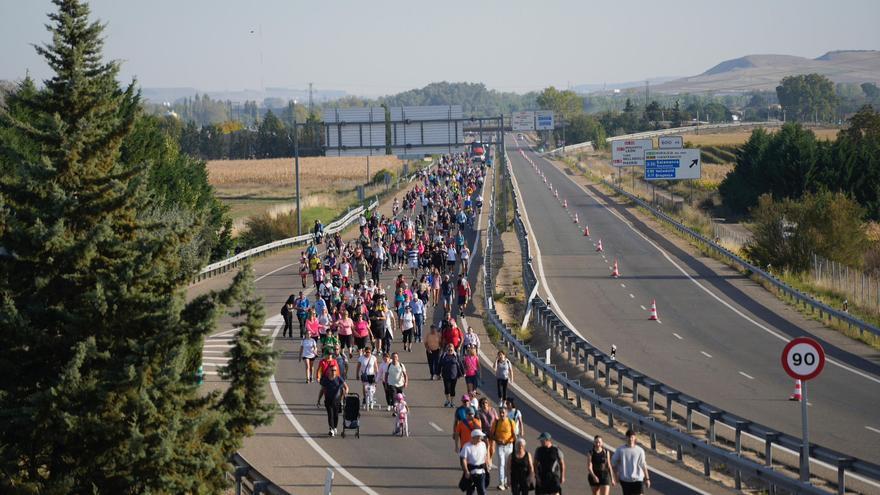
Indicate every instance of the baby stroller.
{"type": "Point", "coordinates": [351, 415]}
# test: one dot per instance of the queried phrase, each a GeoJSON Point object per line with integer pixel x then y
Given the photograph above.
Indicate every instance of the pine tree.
{"type": "Point", "coordinates": [99, 350]}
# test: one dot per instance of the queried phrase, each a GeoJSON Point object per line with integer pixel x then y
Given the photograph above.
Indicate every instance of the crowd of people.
{"type": "Point", "coordinates": [353, 323]}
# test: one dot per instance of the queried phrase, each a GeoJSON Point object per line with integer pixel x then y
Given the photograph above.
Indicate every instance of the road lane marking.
{"type": "Point", "coordinates": [623, 285]}
{"type": "Point", "coordinates": [579, 431]}
{"type": "Point", "coordinates": [705, 354]}
{"type": "Point", "coordinates": [644, 308]}
{"type": "Point", "coordinates": [632, 296]}
{"type": "Point", "coordinates": [434, 425]}
{"type": "Point", "coordinates": [224, 346]}
{"type": "Point", "coordinates": [305, 435]}
{"type": "Point", "coordinates": [875, 430]}
{"type": "Point", "coordinates": [677, 336]}
{"type": "Point", "coordinates": [701, 286]}
{"type": "Point", "coordinates": [750, 377]}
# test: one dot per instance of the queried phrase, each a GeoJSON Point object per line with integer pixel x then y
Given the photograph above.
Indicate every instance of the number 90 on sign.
{"type": "Point", "coordinates": [803, 358]}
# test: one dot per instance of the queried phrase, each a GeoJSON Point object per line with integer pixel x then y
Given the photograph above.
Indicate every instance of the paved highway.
{"type": "Point", "coordinates": [719, 337]}
{"type": "Point", "coordinates": [295, 451]}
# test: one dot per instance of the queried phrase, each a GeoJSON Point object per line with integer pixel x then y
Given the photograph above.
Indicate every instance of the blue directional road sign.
{"type": "Point", "coordinates": [672, 164]}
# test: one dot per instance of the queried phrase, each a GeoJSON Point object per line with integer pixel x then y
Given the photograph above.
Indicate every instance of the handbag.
{"type": "Point", "coordinates": [465, 484]}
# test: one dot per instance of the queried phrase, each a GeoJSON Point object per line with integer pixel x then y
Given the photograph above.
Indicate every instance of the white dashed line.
{"type": "Point", "coordinates": [623, 285]}
{"type": "Point", "coordinates": [875, 430]}
{"type": "Point", "coordinates": [434, 425]}
{"type": "Point", "coordinates": [750, 377]}
{"type": "Point", "coordinates": [679, 337]}
{"type": "Point", "coordinates": [632, 296]}
{"type": "Point", "coordinates": [644, 308]}
{"type": "Point", "coordinates": [705, 354]}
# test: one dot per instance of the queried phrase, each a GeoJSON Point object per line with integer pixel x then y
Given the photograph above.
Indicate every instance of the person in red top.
{"type": "Point", "coordinates": [464, 294]}
{"type": "Point", "coordinates": [324, 366]}
{"type": "Point", "coordinates": [452, 335]}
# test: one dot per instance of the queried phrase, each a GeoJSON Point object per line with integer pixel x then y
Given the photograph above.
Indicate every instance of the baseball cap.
{"type": "Point", "coordinates": [466, 398]}
{"type": "Point", "coordinates": [477, 433]}
{"type": "Point", "coordinates": [545, 436]}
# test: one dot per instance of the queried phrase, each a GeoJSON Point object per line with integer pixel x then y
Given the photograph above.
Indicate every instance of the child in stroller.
{"type": "Point", "coordinates": [401, 413]}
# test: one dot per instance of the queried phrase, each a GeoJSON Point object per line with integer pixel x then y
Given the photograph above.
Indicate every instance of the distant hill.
{"type": "Point", "coordinates": [592, 88]}
{"type": "Point", "coordinates": [763, 72]}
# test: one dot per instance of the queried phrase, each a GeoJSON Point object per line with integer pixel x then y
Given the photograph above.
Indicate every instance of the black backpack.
{"type": "Point", "coordinates": [547, 466]}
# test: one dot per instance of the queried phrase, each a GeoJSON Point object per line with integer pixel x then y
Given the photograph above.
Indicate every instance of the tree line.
{"type": "Point", "coordinates": [103, 224]}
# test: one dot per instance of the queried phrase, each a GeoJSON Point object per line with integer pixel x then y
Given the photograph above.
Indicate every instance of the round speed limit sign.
{"type": "Point", "coordinates": [803, 358]}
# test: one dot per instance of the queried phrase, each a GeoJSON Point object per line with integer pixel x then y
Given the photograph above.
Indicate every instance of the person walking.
{"type": "Point", "coordinates": [380, 378]}
{"type": "Point", "coordinates": [520, 469]}
{"type": "Point", "coordinates": [503, 435]}
{"type": "Point", "coordinates": [367, 369]}
{"type": "Point", "coordinates": [451, 369]}
{"type": "Point", "coordinates": [599, 470]}
{"type": "Point", "coordinates": [395, 377]}
{"type": "Point", "coordinates": [287, 313]}
{"type": "Point", "coordinates": [418, 312]}
{"type": "Point", "coordinates": [407, 324]}
{"type": "Point", "coordinates": [302, 305]}
{"type": "Point", "coordinates": [308, 352]}
{"type": "Point", "coordinates": [503, 375]}
{"type": "Point", "coordinates": [473, 457]}
{"type": "Point", "coordinates": [334, 388]}
{"type": "Point", "coordinates": [549, 467]}
{"type": "Point", "coordinates": [464, 430]}
{"type": "Point", "coordinates": [515, 414]}
{"type": "Point", "coordinates": [630, 466]}
{"type": "Point", "coordinates": [471, 369]}
{"type": "Point", "coordinates": [432, 351]}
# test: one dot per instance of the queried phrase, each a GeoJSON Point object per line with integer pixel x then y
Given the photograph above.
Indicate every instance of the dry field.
{"type": "Point", "coordinates": [740, 137]}
{"type": "Point", "coordinates": [274, 178]}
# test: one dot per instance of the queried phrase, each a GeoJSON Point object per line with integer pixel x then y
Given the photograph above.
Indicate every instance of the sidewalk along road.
{"type": "Point", "coordinates": [295, 451]}
{"type": "Point", "coordinates": [719, 335]}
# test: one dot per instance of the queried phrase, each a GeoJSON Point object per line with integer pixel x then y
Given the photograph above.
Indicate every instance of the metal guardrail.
{"type": "Point", "coordinates": [248, 480]}
{"type": "Point", "coordinates": [706, 451]}
{"type": "Point", "coordinates": [673, 130]}
{"type": "Point", "coordinates": [234, 261]}
{"type": "Point", "coordinates": [823, 309]}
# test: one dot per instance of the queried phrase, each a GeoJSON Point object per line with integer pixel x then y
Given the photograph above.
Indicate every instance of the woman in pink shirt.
{"type": "Point", "coordinates": [313, 326]}
{"type": "Point", "coordinates": [471, 369]}
{"type": "Point", "coordinates": [345, 327]}
{"type": "Point", "coordinates": [362, 333]}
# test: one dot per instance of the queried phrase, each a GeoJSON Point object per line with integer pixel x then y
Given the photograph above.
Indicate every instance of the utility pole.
{"type": "Point", "coordinates": [296, 172]}
{"type": "Point", "coordinates": [647, 83]}
{"type": "Point", "coordinates": [311, 103]}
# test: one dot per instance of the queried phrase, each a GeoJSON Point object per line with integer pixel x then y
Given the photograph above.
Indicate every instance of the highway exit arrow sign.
{"type": "Point", "coordinates": [672, 164]}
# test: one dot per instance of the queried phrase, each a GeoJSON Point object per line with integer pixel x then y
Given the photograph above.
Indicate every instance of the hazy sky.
{"type": "Point", "coordinates": [379, 47]}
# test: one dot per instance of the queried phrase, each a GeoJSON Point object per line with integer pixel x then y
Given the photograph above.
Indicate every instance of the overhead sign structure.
{"type": "Point", "coordinates": [630, 152]}
{"type": "Point", "coordinates": [803, 358]}
{"type": "Point", "coordinates": [670, 142]}
{"type": "Point", "coordinates": [673, 164]}
{"type": "Point", "coordinates": [523, 121]}
{"type": "Point", "coordinates": [544, 120]}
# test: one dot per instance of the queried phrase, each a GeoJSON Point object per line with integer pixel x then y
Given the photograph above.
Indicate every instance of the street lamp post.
{"type": "Point", "coordinates": [296, 171]}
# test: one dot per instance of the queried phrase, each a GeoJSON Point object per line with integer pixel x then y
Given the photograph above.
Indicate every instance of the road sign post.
{"type": "Point", "coordinates": [803, 359]}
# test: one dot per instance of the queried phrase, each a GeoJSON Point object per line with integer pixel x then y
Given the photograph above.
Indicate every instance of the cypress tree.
{"type": "Point", "coordinates": [98, 349]}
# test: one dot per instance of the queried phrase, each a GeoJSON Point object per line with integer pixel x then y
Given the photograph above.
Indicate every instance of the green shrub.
{"type": "Point", "coordinates": [379, 177]}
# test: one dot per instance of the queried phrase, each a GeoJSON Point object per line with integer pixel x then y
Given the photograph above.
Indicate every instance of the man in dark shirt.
{"type": "Point", "coordinates": [335, 389]}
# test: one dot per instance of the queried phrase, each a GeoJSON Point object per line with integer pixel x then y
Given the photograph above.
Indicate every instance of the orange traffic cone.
{"type": "Point", "coordinates": [796, 396]}
{"type": "Point", "coordinates": [564, 203]}
{"type": "Point", "coordinates": [615, 273]}
{"type": "Point", "coordinates": [653, 310]}
{"type": "Point", "coordinates": [586, 231]}
{"type": "Point", "coordinates": [576, 218]}
{"type": "Point", "coordinates": [599, 247]}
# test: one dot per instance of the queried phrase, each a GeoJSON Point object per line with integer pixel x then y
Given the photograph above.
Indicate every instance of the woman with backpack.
{"type": "Point", "coordinates": [599, 468]}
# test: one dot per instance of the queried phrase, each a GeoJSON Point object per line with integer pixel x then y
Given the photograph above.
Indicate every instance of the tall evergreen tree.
{"type": "Point", "coordinates": [98, 350]}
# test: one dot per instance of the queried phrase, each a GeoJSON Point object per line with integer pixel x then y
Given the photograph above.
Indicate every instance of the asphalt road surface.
{"type": "Point", "coordinates": [295, 450]}
{"type": "Point", "coordinates": [719, 337]}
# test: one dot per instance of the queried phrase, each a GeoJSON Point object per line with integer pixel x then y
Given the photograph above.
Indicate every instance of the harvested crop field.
{"type": "Point", "coordinates": [740, 137]}
{"type": "Point", "coordinates": [274, 177]}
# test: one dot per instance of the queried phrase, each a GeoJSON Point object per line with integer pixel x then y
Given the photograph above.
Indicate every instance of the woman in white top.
{"type": "Point", "coordinates": [407, 323]}
{"type": "Point", "coordinates": [464, 255]}
{"type": "Point", "coordinates": [367, 369]}
{"type": "Point", "coordinates": [503, 375]}
{"type": "Point", "coordinates": [308, 352]}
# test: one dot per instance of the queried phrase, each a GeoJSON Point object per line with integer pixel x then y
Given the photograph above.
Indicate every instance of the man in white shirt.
{"type": "Point", "coordinates": [630, 466]}
{"type": "Point", "coordinates": [474, 457]}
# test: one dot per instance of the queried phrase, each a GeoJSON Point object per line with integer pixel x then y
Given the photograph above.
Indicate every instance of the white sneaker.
{"type": "Point", "coordinates": [389, 408]}
{"type": "Point", "coordinates": [331, 433]}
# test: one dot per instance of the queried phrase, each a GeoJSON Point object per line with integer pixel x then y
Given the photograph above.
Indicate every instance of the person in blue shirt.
{"type": "Point", "coordinates": [320, 304]}
{"type": "Point", "coordinates": [302, 306]}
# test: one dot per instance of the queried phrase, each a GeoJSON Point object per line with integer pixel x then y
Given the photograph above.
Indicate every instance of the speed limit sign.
{"type": "Point", "coordinates": [803, 358]}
